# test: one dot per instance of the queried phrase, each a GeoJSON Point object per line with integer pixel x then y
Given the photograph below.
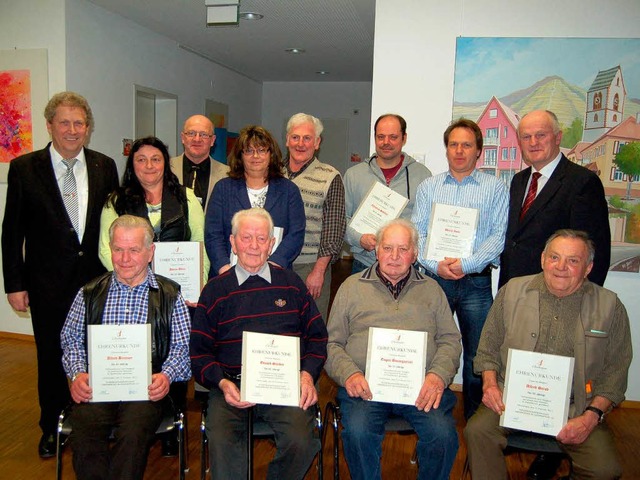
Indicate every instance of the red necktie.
{"type": "Point", "coordinates": [531, 194]}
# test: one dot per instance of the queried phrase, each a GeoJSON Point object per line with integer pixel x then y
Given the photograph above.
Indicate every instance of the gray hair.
{"type": "Point", "coordinates": [241, 215]}
{"type": "Point", "coordinates": [301, 119]}
{"type": "Point", "coordinates": [68, 99]}
{"type": "Point", "coordinates": [576, 235]}
{"type": "Point", "coordinates": [402, 222]}
{"type": "Point", "coordinates": [131, 222]}
{"type": "Point", "coordinates": [553, 118]}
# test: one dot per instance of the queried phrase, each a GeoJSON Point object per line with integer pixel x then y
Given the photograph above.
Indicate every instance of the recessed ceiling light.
{"type": "Point", "coordinates": [295, 51]}
{"type": "Point", "coordinates": [322, 72]}
{"type": "Point", "coordinates": [251, 16]}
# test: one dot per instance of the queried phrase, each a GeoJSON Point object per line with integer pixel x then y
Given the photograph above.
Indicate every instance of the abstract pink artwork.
{"type": "Point", "coordinates": [16, 135]}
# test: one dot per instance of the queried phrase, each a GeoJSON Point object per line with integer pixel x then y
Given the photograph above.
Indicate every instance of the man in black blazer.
{"type": "Point", "coordinates": [567, 196]}
{"type": "Point", "coordinates": [45, 259]}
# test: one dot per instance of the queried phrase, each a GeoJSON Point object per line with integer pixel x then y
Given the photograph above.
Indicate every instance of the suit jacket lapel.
{"type": "Point", "coordinates": [94, 177]}
{"type": "Point", "coordinates": [547, 193]}
{"type": "Point", "coordinates": [47, 178]}
{"type": "Point", "coordinates": [242, 194]}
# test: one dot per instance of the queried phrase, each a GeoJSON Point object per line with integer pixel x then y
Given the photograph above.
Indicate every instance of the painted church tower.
{"type": "Point", "coordinates": [605, 104]}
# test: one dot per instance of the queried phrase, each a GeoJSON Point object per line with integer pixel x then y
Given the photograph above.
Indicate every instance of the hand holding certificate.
{"type": "Point", "coordinates": [452, 232]}
{"type": "Point", "coordinates": [396, 364]}
{"type": "Point", "coordinates": [119, 362]}
{"type": "Point", "coordinates": [537, 392]}
{"type": "Point", "coordinates": [380, 205]}
{"type": "Point", "coordinates": [270, 369]}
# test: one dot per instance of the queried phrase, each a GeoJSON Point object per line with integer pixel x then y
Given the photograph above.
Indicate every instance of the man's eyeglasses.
{"type": "Point", "coordinates": [202, 135]}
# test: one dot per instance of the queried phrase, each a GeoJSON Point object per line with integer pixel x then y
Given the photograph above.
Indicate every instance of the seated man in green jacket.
{"type": "Point", "coordinates": [560, 312]}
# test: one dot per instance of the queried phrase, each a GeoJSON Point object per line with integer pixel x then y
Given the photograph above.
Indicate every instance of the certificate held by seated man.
{"type": "Point", "coordinates": [396, 364]}
{"type": "Point", "coordinates": [270, 369]}
{"type": "Point", "coordinates": [537, 392]}
{"type": "Point", "coordinates": [119, 362]}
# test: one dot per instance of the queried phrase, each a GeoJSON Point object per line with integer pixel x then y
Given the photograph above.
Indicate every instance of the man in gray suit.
{"type": "Point", "coordinates": [191, 168]}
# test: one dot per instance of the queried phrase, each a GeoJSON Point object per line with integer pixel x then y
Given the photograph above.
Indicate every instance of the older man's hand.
{"type": "Point", "coordinates": [430, 393]}
{"type": "Point", "coordinates": [232, 394]}
{"type": "Point", "coordinates": [80, 390]}
{"type": "Point", "coordinates": [308, 392]}
{"type": "Point", "coordinates": [577, 429]}
{"type": "Point", "coordinates": [19, 301]}
{"type": "Point", "coordinates": [159, 387]}
{"type": "Point", "coordinates": [357, 386]}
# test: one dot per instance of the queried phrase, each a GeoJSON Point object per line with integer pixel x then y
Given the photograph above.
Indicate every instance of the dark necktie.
{"type": "Point", "coordinates": [70, 192]}
{"type": "Point", "coordinates": [531, 194]}
{"type": "Point", "coordinates": [194, 170]}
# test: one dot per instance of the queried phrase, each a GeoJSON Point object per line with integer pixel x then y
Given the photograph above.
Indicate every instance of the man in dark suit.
{"type": "Point", "coordinates": [568, 196]}
{"type": "Point", "coordinates": [50, 239]}
{"type": "Point", "coordinates": [552, 194]}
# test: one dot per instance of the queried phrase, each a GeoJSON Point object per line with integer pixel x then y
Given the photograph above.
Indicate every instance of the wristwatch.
{"type": "Point", "coordinates": [597, 411]}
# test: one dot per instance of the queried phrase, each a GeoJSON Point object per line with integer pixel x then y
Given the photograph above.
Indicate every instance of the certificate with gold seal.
{"type": "Point", "coordinates": [452, 232]}
{"type": "Point", "coordinates": [182, 263]}
{"type": "Point", "coordinates": [537, 392]}
{"type": "Point", "coordinates": [119, 358]}
{"type": "Point", "coordinates": [396, 364]}
{"type": "Point", "coordinates": [380, 205]}
{"type": "Point", "coordinates": [270, 369]}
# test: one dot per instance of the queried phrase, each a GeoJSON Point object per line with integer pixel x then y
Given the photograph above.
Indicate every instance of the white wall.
{"type": "Point", "coordinates": [280, 100]}
{"type": "Point", "coordinates": [108, 54]}
{"type": "Point", "coordinates": [425, 52]}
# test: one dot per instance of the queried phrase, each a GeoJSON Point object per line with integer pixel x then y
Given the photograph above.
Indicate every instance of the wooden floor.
{"type": "Point", "coordinates": [19, 432]}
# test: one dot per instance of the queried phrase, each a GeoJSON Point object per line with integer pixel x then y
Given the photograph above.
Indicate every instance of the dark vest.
{"type": "Point", "coordinates": [161, 303]}
{"type": "Point", "coordinates": [174, 218]}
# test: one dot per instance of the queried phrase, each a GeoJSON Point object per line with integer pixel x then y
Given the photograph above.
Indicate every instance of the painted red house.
{"type": "Point", "coordinates": [500, 156]}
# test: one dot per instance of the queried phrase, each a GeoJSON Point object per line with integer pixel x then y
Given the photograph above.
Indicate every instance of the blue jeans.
{"type": "Point", "coordinates": [470, 298]}
{"type": "Point", "coordinates": [363, 432]}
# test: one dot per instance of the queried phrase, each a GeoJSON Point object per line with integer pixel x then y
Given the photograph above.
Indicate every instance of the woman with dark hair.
{"type": "Point", "coordinates": [255, 180]}
{"type": "Point", "coordinates": [150, 190]}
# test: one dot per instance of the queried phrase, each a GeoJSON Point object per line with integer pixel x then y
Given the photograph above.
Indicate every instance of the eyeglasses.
{"type": "Point", "coordinates": [203, 135]}
{"type": "Point", "coordinates": [250, 152]}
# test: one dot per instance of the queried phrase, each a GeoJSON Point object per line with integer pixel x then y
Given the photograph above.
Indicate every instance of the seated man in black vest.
{"type": "Point", "coordinates": [131, 294]}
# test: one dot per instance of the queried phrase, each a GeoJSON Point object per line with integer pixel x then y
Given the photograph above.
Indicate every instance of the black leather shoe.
{"type": "Point", "coordinates": [47, 446]}
{"type": "Point", "coordinates": [169, 445]}
{"type": "Point", "coordinates": [544, 466]}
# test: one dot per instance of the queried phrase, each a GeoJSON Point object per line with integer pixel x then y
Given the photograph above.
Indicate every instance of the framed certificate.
{"type": "Point", "coordinates": [380, 205]}
{"type": "Point", "coordinates": [119, 359]}
{"type": "Point", "coordinates": [270, 369]}
{"type": "Point", "coordinates": [396, 364]}
{"type": "Point", "coordinates": [182, 263]}
{"type": "Point", "coordinates": [452, 232]}
{"type": "Point", "coordinates": [537, 392]}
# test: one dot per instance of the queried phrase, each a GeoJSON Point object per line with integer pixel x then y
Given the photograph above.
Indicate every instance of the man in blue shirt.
{"type": "Point", "coordinates": [465, 281]}
{"type": "Point", "coordinates": [131, 294]}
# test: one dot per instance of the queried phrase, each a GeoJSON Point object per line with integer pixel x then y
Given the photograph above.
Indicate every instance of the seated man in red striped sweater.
{"type": "Point", "coordinates": [258, 297]}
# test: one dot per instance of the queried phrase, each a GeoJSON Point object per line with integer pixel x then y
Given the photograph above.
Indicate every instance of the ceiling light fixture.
{"type": "Point", "coordinates": [295, 51]}
{"type": "Point", "coordinates": [322, 72]}
{"type": "Point", "coordinates": [251, 16]}
{"type": "Point", "coordinates": [222, 12]}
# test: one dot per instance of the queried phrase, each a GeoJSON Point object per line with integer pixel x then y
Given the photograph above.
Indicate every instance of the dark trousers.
{"type": "Point", "coordinates": [53, 389]}
{"type": "Point", "coordinates": [133, 424]}
{"type": "Point", "coordinates": [296, 442]}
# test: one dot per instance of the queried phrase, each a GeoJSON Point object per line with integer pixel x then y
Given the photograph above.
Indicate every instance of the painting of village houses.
{"type": "Point", "coordinates": [592, 85]}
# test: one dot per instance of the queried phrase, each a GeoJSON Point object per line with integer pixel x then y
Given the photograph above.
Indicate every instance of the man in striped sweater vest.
{"type": "Point", "coordinates": [322, 192]}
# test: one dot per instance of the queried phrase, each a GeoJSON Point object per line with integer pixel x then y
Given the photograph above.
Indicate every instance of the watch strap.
{"type": "Point", "coordinates": [597, 411]}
